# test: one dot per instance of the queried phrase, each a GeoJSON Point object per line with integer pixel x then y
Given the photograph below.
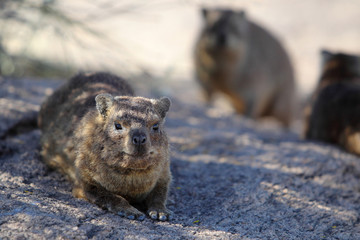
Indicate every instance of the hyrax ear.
{"type": "Point", "coordinates": [241, 14]}
{"type": "Point", "coordinates": [210, 15]}
{"type": "Point", "coordinates": [162, 106]}
{"type": "Point", "coordinates": [204, 12]}
{"type": "Point", "coordinates": [103, 103]}
{"type": "Point", "coordinates": [326, 55]}
{"type": "Point", "coordinates": [240, 18]}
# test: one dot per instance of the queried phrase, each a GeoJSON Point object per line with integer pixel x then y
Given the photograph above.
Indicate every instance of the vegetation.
{"type": "Point", "coordinates": [24, 24]}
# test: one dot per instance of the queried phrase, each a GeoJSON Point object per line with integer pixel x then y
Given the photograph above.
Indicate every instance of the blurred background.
{"type": "Point", "coordinates": [154, 39]}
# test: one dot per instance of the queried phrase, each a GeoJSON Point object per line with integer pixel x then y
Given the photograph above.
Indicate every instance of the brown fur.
{"type": "Point", "coordinates": [240, 59]}
{"type": "Point", "coordinates": [110, 144]}
{"type": "Point", "coordinates": [334, 115]}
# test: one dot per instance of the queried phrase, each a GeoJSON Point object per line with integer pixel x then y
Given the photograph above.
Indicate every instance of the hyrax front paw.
{"type": "Point", "coordinates": [132, 214]}
{"type": "Point", "coordinates": [129, 213]}
{"type": "Point", "coordinates": [160, 214]}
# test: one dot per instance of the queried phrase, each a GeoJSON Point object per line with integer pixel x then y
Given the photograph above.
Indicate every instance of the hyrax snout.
{"type": "Point", "coordinates": [112, 145]}
{"type": "Point", "coordinates": [139, 138]}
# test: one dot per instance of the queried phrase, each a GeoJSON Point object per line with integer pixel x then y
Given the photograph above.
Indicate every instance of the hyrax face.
{"type": "Point", "coordinates": [340, 65]}
{"type": "Point", "coordinates": [224, 29]}
{"type": "Point", "coordinates": [134, 129]}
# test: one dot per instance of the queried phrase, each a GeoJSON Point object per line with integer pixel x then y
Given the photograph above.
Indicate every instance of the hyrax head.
{"type": "Point", "coordinates": [340, 64]}
{"type": "Point", "coordinates": [134, 129]}
{"type": "Point", "coordinates": [225, 28]}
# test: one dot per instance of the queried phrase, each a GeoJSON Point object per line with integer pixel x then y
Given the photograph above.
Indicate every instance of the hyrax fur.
{"type": "Point", "coordinates": [240, 59]}
{"type": "Point", "coordinates": [111, 144]}
{"type": "Point", "coordinates": [334, 116]}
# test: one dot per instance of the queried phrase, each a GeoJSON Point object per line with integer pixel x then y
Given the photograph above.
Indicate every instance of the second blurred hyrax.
{"type": "Point", "coordinates": [240, 59]}
{"type": "Point", "coordinates": [111, 144]}
{"type": "Point", "coordinates": [334, 114]}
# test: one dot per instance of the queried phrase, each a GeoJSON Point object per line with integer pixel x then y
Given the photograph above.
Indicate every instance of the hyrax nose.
{"type": "Point", "coordinates": [139, 138]}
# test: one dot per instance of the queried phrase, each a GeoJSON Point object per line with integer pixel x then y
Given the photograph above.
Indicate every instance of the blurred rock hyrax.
{"type": "Point", "coordinates": [240, 59]}
{"type": "Point", "coordinates": [111, 144]}
{"type": "Point", "coordinates": [334, 114]}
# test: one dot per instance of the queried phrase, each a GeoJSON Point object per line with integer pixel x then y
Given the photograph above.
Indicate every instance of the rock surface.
{"type": "Point", "coordinates": [233, 179]}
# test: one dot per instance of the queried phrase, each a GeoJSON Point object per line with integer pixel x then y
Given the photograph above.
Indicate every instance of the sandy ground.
{"type": "Point", "coordinates": [233, 179]}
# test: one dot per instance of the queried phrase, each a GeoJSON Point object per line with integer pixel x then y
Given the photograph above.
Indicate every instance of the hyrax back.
{"type": "Point", "coordinates": [111, 144]}
{"type": "Point", "coordinates": [334, 116]}
{"type": "Point", "coordinates": [238, 58]}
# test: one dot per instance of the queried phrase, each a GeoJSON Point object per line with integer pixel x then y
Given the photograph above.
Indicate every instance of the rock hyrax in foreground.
{"type": "Point", "coordinates": [111, 144]}
{"type": "Point", "coordinates": [240, 59]}
{"type": "Point", "coordinates": [334, 116]}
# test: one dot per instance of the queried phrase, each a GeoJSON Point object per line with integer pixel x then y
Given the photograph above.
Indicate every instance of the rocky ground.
{"type": "Point", "coordinates": [233, 179]}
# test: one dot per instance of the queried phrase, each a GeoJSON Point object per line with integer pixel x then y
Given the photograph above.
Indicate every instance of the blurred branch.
{"type": "Point", "coordinates": [24, 20]}
{"type": "Point", "coordinates": [112, 8]}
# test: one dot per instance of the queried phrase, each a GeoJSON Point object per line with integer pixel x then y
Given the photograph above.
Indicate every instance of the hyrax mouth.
{"type": "Point", "coordinates": [138, 161]}
{"type": "Point", "coordinates": [143, 153]}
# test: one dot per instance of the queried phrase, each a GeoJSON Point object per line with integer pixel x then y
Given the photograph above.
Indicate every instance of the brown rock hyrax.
{"type": "Point", "coordinates": [240, 59]}
{"type": "Point", "coordinates": [111, 144]}
{"type": "Point", "coordinates": [334, 116]}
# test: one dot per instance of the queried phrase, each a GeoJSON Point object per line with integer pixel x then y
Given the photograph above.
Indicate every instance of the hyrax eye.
{"type": "Point", "coordinates": [155, 127]}
{"type": "Point", "coordinates": [118, 126]}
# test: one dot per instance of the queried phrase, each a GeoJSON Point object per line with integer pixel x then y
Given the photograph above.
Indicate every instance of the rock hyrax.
{"type": "Point", "coordinates": [334, 115]}
{"type": "Point", "coordinates": [111, 144]}
{"type": "Point", "coordinates": [240, 59]}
